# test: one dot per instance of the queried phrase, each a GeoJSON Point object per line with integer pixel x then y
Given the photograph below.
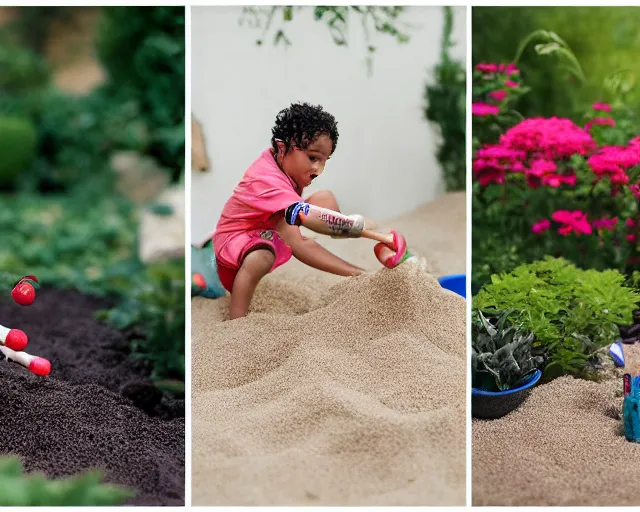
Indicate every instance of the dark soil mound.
{"type": "Point", "coordinates": [96, 410]}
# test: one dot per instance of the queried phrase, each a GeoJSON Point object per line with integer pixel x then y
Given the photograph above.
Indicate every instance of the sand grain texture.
{"type": "Point", "coordinates": [336, 391]}
{"type": "Point", "coordinates": [563, 447]}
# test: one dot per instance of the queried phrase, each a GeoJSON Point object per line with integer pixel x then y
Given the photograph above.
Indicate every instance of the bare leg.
{"type": "Point", "coordinates": [255, 266]}
{"type": "Point", "coordinates": [324, 199]}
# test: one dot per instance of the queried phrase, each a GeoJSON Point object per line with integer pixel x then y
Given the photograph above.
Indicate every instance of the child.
{"type": "Point", "coordinates": [258, 228]}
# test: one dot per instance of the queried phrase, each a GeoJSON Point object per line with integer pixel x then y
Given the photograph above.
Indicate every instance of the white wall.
{"type": "Point", "coordinates": [385, 162]}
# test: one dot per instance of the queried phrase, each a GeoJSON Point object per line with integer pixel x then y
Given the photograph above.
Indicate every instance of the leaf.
{"type": "Point", "coordinates": [547, 48]}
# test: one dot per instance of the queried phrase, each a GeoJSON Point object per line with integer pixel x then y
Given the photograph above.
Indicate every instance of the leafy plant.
{"type": "Point", "coordinates": [22, 69]}
{"type": "Point", "coordinates": [445, 106]}
{"type": "Point", "coordinates": [17, 147]}
{"type": "Point", "coordinates": [143, 51]}
{"type": "Point", "coordinates": [155, 309]}
{"type": "Point", "coordinates": [502, 352]}
{"type": "Point", "coordinates": [19, 490]}
{"type": "Point", "coordinates": [382, 19]}
{"type": "Point", "coordinates": [572, 313]}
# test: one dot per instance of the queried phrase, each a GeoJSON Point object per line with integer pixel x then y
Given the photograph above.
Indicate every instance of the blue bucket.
{"type": "Point", "coordinates": [457, 283]}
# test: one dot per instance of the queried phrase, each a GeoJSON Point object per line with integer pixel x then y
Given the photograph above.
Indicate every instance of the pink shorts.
{"type": "Point", "coordinates": [237, 245]}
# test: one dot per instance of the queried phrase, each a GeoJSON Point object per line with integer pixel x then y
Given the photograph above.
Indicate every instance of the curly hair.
{"type": "Point", "coordinates": [301, 124]}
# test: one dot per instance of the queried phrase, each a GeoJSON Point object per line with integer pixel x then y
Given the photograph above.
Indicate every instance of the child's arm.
{"type": "Point", "coordinates": [323, 221]}
{"type": "Point", "coordinates": [313, 254]}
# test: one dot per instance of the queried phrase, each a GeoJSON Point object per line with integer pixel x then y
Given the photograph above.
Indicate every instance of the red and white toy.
{"type": "Point", "coordinates": [13, 341]}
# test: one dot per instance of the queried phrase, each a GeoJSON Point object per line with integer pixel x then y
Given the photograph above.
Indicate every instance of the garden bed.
{"type": "Point", "coordinates": [96, 410]}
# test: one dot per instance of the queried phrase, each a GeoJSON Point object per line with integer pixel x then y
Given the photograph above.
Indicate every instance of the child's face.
{"type": "Point", "coordinates": [304, 165]}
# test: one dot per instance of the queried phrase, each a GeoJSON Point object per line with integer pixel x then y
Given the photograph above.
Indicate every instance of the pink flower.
{"type": "Point", "coordinates": [613, 161]}
{"type": "Point", "coordinates": [635, 190]}
{"type": "Point", "coordinates": [552, 138]}
{"type": "Point", "coordinates": [512, 70]}
{"type": "Point", "coordinates": [602, 121]}
{"type": "Point", "coordinates": [482, 109]}
{"type": "Point", "coordinates": [603, 107]}
{"type": "Point", "coordinates": [605, 224]}
{"type": "Point", "coordinates": [555, 180]}
{"type": "Point", "coordinates": [487, 68]}
{"type": "Point", "coordinates": [631, 237]}
{"type": "Point", "coordinates": [575, 222]}
{"type": "Point", "coordinates": [630, 222]}
{"type": "Point", "coordinates": [540, 227]}
{"type": "Point", "coordinates": [511, 84]}
{"type": "Point", "coordinates": [492, 163]}
{"type": "Point", "coordinates": [543, 172]}
{"type": "Point", "coordinates": [498, 95]}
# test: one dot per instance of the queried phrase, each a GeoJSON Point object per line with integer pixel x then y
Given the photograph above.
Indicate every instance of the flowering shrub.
{"type": "Point", "coordinates": [549, 186]}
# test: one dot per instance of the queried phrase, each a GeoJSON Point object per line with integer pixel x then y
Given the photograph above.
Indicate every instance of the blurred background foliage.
{"type": "Point", "coordinates": [605, 40]}
{"type": "Point", "coordinates": [64, 214]}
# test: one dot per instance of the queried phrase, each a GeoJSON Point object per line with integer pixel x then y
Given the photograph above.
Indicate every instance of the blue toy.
{"type": "Point", "coordinates": [456, 283]}
{"type": "Point", "coordinates": [204, 273]}
{"type": "Point", "coordinates": [631, 408]}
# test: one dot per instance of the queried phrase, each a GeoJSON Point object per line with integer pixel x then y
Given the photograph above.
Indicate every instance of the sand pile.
{"type": "Point", "coordinates": [565, 446]}
{"type": "Point", "coordinates": [349, 395]}
{"type": "Point", "coordinates": [90, 412]}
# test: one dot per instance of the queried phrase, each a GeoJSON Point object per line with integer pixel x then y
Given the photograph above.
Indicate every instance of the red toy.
{"type": "Point", "coordinates": [13, 341]}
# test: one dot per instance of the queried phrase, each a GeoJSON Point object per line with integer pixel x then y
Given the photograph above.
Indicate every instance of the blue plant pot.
{"type": "Point", "coordinates": [495, 404]}
{"type": "Point", "coordinates": [456, 283]}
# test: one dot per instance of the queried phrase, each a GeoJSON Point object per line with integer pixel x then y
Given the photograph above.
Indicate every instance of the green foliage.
{"type": "Point", "coordinates": [77, 135]}
{"type": "Point", "coordinates": [85, 239]}
{"type": "Point", "coordinates": [143, 51]}
{"type": "Point", "coordinates": [501, 352]}
{"type": "Point", "coordinates": [383, 19]}
{"type": "Point", "coordinates": [19, 490]}
{"type": "Point", "coordinates": [155, 306]}
{"type": "Point", "coordinates": [572, 313]}
{"type": "Point", "coordinates": [17, 147]}
{"type": "Point", "coordinates": [140, 108]}
{"type": "Point", "coordinates": [22, 70]}
{"type": "Point", "coordinates": [603, 39]}
{"type": "Point", "coordinates": [446, 100]}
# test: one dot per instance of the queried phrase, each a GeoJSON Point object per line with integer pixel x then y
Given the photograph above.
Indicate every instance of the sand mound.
{"type": "Point", "coordinates": [565, 446]}
{"type": "Point", "coordinates": [345, 395]}
{"type": "Point", "coordinates": [96, 410]}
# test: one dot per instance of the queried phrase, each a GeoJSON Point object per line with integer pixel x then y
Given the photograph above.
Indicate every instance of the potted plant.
{"type": "Point", "coordinates": [504, 367]}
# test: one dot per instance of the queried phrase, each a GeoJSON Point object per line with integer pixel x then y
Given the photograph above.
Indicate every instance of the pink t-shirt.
{"type": "Point", "coordinates": [263, 190]}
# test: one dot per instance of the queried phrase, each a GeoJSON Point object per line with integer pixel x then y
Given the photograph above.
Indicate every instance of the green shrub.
{"type": "Point", "coordinates": [22, 69]}
{"type": "Point", "coordinates": [143, 51]}
{"type": "Point", "coordinates": [18, 140]}
{"type": "Point", "coordinates": [572, 313]}
{"type": "Point", "coordinates": [446, 100]}
{"type": "Point", "coordinates": [19, 490]}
